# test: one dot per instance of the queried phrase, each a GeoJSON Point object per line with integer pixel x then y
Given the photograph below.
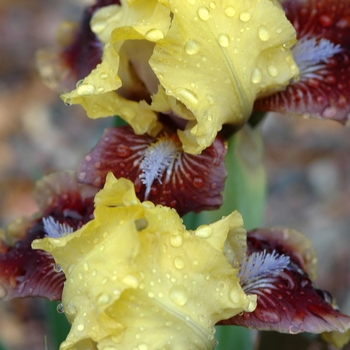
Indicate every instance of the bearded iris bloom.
{"type": "Point", "coordinates": [242, 49]}
{"type": "Point", "coordinates": [134, 275]}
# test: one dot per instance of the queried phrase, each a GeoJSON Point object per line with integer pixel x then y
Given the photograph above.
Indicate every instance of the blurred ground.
{"type": "Point", "coordinates": [308, 163]}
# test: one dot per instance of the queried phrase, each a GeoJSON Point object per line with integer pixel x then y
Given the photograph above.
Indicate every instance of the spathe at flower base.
{"type": "Point", "coordinates": [136, 277]}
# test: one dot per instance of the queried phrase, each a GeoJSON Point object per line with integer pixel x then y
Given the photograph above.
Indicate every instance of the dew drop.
{"type": "Point", "coordinates": [131, 281]}
{"type": "Point", "coordinates": [179, 263]}
{"type": "Point", "coordinates": [80, 327]}
{"type": "Point", "coordinates": [204, 231]}
{"type": "Point", "coordinates": [191, 2]}
{"type": "Point", "coordinates": [325, 20]}
{"type": "Point", "coordinates": [197, 181]}
{"type": "Point", "coordinates": [229, 11]}
{"type": "Point", "coordinates": [128, 113]}
{"type": "Point", "coordinates": [103, 76]}
{"type": "Point", "coordinates": [57, 268]}
{"type": "Point", "coordinates": [272, 70]}
{"type": "Point", "coordinates": [192, 47]}
{"type": "Point", "coordinates": [178, 295]}
{"type": "Point", "coordinates": [142, 347]}
{"type": "Point", "coordinates": [203, 13]}
{"type": "Point", "coordinates": [123, 151]}
{"type": "Point", "coordinates": [85, 90]}
{"type": "Point", "coordinates": [294, 330]}
{"type": "Point", "coordinates": [245, 16]}
{"type": "Point", "coordinates": [210, 99]}
{"type": "Point", "coordinates": [176, 240]}
{"type": "Point", "coordinates": [187, 95]}
{"type": "Point", "coordinates": [100, 89]}
{"type": "Point", "coordinates": [154, 35]}
{"type": "Point", "coordinates": [223, 40]}
{"type": "Point", "coordinates": [103, 299]}
{"type": "Point", "coordinates": [79, 82]}
{"type": "Point", "coordinates": [68, 101]}
{"type": "Point", "coordinates": [256, 76]}
{"type": "Point", "coordinates": [60, 308]}
{"type": "Point", "coordinates": [168, 323]}
{"type": "Point", "coordinates": [264, 33]}
{"type": "Point", "coordinates": [329, 112]}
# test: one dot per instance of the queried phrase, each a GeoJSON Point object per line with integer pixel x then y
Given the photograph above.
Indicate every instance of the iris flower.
{"type": "Point", "coordinates": [193, 54]}
{"type": "Point", "coordinates": [136, 278]}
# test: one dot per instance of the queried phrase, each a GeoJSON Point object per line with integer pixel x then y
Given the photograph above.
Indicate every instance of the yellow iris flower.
{"type": "Point", "coordinates": [210, 58]}
{"type": "Point", "coordinates": [137, 279]}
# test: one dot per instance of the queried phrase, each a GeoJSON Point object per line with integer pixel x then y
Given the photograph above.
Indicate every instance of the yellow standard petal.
{"type": "Point", "coordinates": [114, 24]}
{"type": "Point", "coordinates": [137, 279]}
{"type": "Point", "coordinates": [218, 56]}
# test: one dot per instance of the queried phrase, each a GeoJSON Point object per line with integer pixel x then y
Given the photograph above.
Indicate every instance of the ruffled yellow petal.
{"type": "Point", "coordinates": [137, 279]}
{"type": "Point", "coordinates": [114, 24]}
{"type": "Point", "coordinates": [219, 56]}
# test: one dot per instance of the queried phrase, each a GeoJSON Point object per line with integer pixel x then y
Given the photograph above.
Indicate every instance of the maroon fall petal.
{"type": "Point", "coordinates": [287, 302]}
{"type": "Point", "coordinates": [25, 272]}
{"type": "Point", "coordinates": [187, 183]}
{"type": "Point", "coordinates": [324, 90]}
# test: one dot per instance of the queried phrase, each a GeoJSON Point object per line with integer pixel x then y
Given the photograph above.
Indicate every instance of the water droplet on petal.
{"type": "Point", "coordinates": [203, 13]}
{"type": "Point", "coordinates": [245, 16]}
{"type": "Point", "coordinates": [103, 76]}
{"type": "Point", "coordinates": [179, 263]}
{"type": "Point", "coordinates": [325, 20]}
{"type": "Point", "coordinates": [294, 330]}
{"type": "Point", "coordinates": [204, 231]}
{"type": "Point", "coordinates": [142, 347]}
{"type": "Point", "coordinates": [154, 35]}
{"type": "Point", "coordinates": [192, 47]}
{"type": "Point", "coordinates": [57, 268]}
{"type": "Point", "coordinates": [272, 70]}
{"type": "Point", "coordinates": [187, 95]}
{"type": "Point", "coordinates": [329, 112]}
{"type": "Point", "coordinates": [103, 299]}
{"type": "Point", "coordinates": [123, 151]}
{"type": "Point", "coordinates": [176, 240]}
{"type": "Point", "coordinates": [229, 11]}
{"type": "Point", "coordinates": [191, 2]}
{"type": "Point", "coordinates": [60, 308]}
{"type": "Point", "coordinates": [178, 295]}
{"type": "Point", "coordinates": [80, 327]}
{"type": "Point", "coordinates": [256, 76]}
{"type": "Point", "coordinates": [223, 40]}
{"type": "Point", "coordinates": [85, 90]}
{"type": "Point", "coordinates": [264, 33]}
{"type": "Point", "coordinates": [131, 281]}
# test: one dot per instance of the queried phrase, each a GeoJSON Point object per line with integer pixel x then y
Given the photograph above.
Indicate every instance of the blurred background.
{"type": "Point", "coordinates": [307, 161]}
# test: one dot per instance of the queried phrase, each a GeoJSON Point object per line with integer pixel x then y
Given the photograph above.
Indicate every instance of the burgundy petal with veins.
{"type": "Point", "coordinates": [324, 87]}
{"type": "Point", "coordinates": [160, 170]}
{"type": "Point", "coordinates": [85, 51]}
{"type": "Point", "coordinates": [287, 302]}
{"type": "Point", "coordinates": [26, 272]}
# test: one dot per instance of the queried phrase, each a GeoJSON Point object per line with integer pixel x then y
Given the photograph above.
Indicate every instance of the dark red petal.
{"type": "Point", "coordinates": [326, 94]}
{"type": "Point", "coordinates": [288, 302]}
{"type": "Point", "coordinates": [85, 51]}
{"type": "Point", "coordinates": [26, 272]}
{"type": "Point", "coordinates": [195, 182]}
